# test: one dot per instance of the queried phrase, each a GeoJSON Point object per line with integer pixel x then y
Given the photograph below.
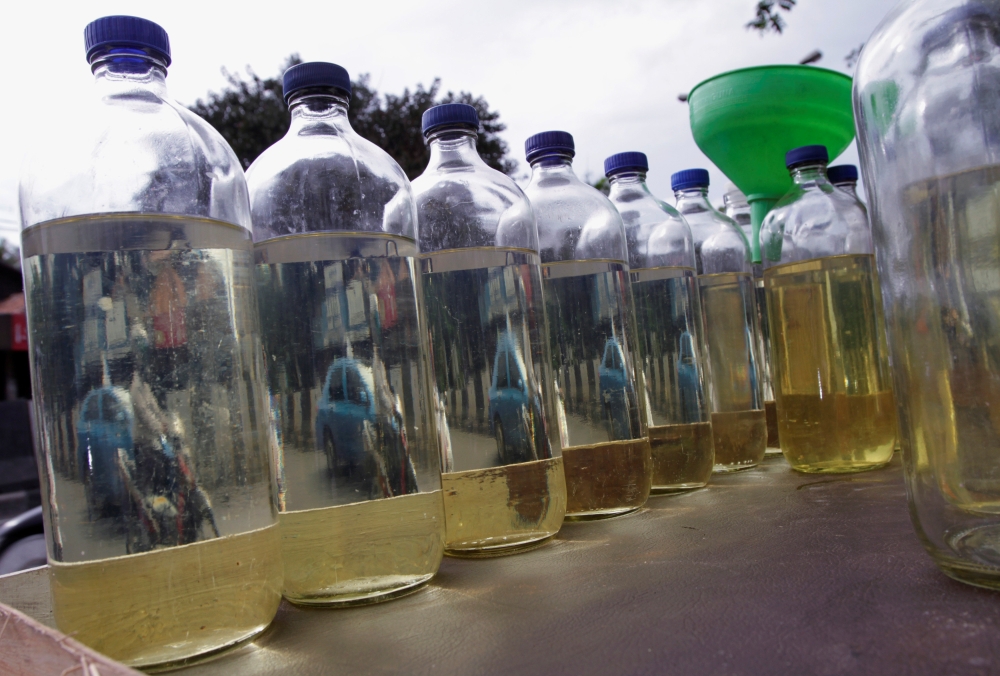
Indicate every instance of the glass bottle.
{"type": "Point", "coordinates": [359, 478]}
{"type": "Point", "coordinates": [671, 337]}
{"type": "Point", "coordinates": [925, 104]}
{"type": "Point", "coordinates": [504, 489]}
{"type": "Point", "coordinates": [588, 299]}
{"type": "Point", "coordinates": [737, 208]}
{"type": "Point", "coordinates": [150, 390]}
{"type": "Point", "coordinates": [835, 406]}
{"type": "Point", "coordinates": [725, 280]}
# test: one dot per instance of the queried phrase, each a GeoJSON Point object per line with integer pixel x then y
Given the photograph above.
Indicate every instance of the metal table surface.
{"type": "Point", "coordinates": [766, 571]}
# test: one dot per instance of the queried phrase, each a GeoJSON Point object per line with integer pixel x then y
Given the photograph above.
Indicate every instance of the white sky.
{"type": "Point", "coordinates": [608, 72]}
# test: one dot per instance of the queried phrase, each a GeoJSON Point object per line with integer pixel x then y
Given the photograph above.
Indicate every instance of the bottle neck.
{"type": "Point", "coordinates": [692, 199]}
{"type": "Point", "coordinates": [453, 147]}
{"type": "Point", "coordinates": [121, 71]}
{"type": "Point", "coordinates": [808, 175]}
{"type": "Point", "coordinates": [627, 182]}
{"type": "Point", "coordinates": [850, 187]}
{"type": "Point", "coordinates": [550, 166]}
{"type": "Point", "coordinates": [311, 108]}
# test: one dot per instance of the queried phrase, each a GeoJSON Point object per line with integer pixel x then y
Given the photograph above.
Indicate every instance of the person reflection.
{"type": "Point", "coordinates": [617, 394]}
{"type": "Point", "coordinates": [688, 381]}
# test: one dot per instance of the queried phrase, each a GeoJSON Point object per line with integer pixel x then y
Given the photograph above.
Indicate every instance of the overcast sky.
{"type": "Point", "coordinates": [608, 72]}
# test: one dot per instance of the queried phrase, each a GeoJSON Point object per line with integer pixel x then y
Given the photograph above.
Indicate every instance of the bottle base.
{"type": "Point", "coordinates": [200, 658]}
{"type": "Point", "coordinates": [838, 468]}
{"type": "Point", "coordinates": [378, 592]}
{"type": "Point", "coordinates": [505, 549]}
{"type": "Point", "coordinates": [676, 488]}
{"type": "Point", "coordinates": [598, 514]}
{"type": "Point", "coordinates": [729, 469]}
{"type": "Point", "coordinates": [772, 451]}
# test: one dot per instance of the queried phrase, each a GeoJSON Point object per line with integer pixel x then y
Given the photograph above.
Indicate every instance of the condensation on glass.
{"type": "Point", "coordinates": [729, 307]}
{"type": "Point", "coordinates": [504, 487]}
{"type": "Point", "coordinates": [927, 105]}
{"type": "Point", "coordinates": [601, 413]}
{"type": "Point", "coordinates": [359, 486]}
{"type": "Point", "coordinates": [150, 400]}
{"type": "Point", "coordinates": [669, 329]}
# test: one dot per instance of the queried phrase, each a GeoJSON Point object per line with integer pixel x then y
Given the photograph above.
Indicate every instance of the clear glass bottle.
{"type": "Point", "coordinates": [835, 406]}
{"type": "Point", "coordinates": [359, 477]}
{"type": "Point", "coordinates": [588, 298]}
{"type": "Point", "coordinates": [925, 104]}
{"type": "Point", "coordinates": [726, 284]}
{"type": "Point", "coordinates": [504, 489]}
{"type": "Point", "coordinates": [670, 332]}
{"type": "Point", "coordinates": [737, 208]}
{"type": "Point", "coordinates": [150, 390]}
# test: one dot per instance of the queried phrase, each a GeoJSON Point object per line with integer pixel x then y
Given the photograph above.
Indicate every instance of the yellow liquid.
{"type": "Point", "coordinates": [683, 456]}
{"type": "Point", "coordinates": [165, 606]}
{"type": "Point", "coordinates": [503, 510]}
{"type": "Point", "coordinates": [607, 479]}
{"type": "Point", "coordinates": [362, 552]}
{"type": "Point", "coordinates": [835, 406]}
{"type": "Point", "coordinates": [740, 439]}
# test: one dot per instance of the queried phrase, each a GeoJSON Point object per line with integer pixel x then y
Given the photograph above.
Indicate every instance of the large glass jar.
{"type": "Point", "coordinates": [670, 332]}
{"type": "Point", "coordinates": [504, 488]}
{"type": "Point", "coordinates": [588, 299]}
{"type": "Point", "coordinates": [725, 280]}
{"type": "Point", "coordinates": [359, 478]}
{"type": "Point", "coordinates": [150, 390]}
{"type": "Point", "coordinates": [927, 106]}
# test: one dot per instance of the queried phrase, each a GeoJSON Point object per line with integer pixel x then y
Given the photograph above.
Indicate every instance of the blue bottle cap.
{"type": "Point", "coordinates": [842, 173]}
{"type": "Point", "coordinates": [448, 114]}
{"type": "Point", "coordinates": [315, 74]}
{"type": "Point", "coordinates": [126, 31]}
{"type": "Point", "coordinates": [631, 161]}
{"type": "Point", "coordinates": [806, 155]}
{"type": "Point", "coordinates": [689, 178]}
{"type": "Point", "coordinates": [549, 143]}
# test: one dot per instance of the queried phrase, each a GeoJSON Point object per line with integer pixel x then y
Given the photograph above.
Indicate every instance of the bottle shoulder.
{"type": "Point", "coordinates": [136, 151]}
{"type": "Point", "coordinates": [575, 221]}
{"type": "Point", "coordinates": [472, 205]}
{"type": "Point", "coordinates": [328, 181]}
{"type": "Point", "coordinates": [812, 222]}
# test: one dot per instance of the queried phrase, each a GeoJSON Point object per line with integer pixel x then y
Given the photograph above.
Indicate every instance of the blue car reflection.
{"type": "Point", "coordinates": [360, 427]}
{"type": "Point", "coordinates": [514, 415]}
{"type": "Point", "coordinates": [106, 423]}
{"type": "Point", "coordinates": [617, 393]}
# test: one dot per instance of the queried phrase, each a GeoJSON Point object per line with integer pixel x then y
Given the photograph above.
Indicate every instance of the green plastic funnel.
{"type": "Point", "coordinates": [746, 120]}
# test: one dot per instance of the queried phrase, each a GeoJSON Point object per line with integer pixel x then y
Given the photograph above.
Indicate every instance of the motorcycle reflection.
{"type": "Point", "coordinates": [617, 393]}
{"type": "Point", "coordinates": [359, 422]}
{"type": "Point", "coordinates": [136, 470]}
{"type": "Point", "coordinates": [515, 416]}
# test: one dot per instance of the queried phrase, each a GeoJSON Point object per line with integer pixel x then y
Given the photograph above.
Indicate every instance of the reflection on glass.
{"type": "Point", "coordinates": [347, 374]}
{"type": "Point", "coordinates": [146, 360]}
{"type": "Point", "coordinates": [603, 436]}
{"type": "Point", "coordinates": [486, 324]}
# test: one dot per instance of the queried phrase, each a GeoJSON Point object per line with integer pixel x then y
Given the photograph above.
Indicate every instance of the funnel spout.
{"type": "Point", "coordinates": [759, 206]}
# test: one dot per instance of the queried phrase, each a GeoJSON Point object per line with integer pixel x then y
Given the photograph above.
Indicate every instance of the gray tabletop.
{"type": "Point", "coordinates": [765, 571]}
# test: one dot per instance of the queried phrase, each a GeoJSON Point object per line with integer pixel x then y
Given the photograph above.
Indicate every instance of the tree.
{"type": "Point", "coordinates": [251, 115]}
{"type": "Point", "coordinates": [768, 16]}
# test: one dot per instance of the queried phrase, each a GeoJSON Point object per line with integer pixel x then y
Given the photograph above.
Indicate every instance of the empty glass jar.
{"type": "Point", "coordinates": [926, 101]}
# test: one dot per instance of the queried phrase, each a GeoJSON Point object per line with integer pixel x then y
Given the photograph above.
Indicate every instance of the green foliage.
{"type": "Point", "coordinates": [251, 115]}
{"type": "Point", "coordinates": [768, 17]}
